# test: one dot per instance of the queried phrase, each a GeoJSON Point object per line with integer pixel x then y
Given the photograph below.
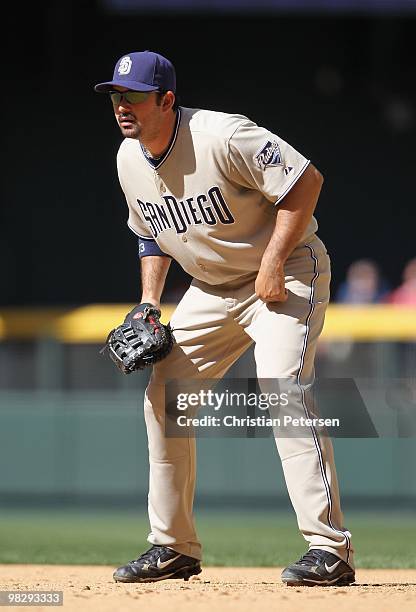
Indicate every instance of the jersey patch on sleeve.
{"type": "Point", "coordinates": [268, 155]}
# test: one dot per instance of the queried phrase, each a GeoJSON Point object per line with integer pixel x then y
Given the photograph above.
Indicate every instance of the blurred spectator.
{"type": "Point", "coordinates": [406, 293]}
{"type": "Point", "coordinates": [363, 285]}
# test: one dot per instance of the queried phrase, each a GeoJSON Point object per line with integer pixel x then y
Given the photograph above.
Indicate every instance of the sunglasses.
{"type": "Point", "coordinates": [132, 97]}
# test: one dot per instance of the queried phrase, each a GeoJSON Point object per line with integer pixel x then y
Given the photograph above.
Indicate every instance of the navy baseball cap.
{"type": "Point", "coordinates": [142, 71]}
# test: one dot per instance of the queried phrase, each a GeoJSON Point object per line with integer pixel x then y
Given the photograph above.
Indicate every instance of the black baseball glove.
{"type": "Point", "coordinates": [140, 341]}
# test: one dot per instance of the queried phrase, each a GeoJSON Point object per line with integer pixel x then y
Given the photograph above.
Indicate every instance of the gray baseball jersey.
{"type": "Point", "coordinates": [210, 201]}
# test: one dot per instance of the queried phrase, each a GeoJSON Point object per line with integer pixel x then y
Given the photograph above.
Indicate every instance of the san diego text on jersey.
{"type": "Point", "coordinates": [207, 208]}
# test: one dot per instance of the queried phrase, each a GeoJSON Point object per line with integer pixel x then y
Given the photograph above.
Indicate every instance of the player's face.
{"type": "Point", "coordinates": [142, 120]}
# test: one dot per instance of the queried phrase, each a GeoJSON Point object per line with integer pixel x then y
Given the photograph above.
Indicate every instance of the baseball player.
{"type": "Point", "coordinates": [233, 203]}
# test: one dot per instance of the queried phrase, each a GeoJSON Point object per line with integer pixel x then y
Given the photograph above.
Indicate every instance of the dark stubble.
{"type": "Point", "coordinates": [131, 129]}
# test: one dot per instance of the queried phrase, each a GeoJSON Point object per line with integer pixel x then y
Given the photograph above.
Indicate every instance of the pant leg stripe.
{"type": "Point", "coordinates": [314, 433]}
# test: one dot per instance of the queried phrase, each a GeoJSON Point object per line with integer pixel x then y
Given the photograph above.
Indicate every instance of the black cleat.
{"type": "Point", "coordinates": [319, 567]}
{"type": "Point", "coordinates": [158, 563]}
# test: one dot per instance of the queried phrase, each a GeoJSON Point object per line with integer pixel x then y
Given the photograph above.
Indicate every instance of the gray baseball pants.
{"type": "Point", "coordinates": [213, 326]}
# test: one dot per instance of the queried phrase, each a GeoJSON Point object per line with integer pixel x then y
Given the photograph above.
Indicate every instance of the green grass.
{"type": "Point", "coordinates": [229, 538]}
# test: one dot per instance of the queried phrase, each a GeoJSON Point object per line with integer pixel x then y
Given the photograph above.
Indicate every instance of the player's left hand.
{"type": "Point", "coordinates": [270, 284]}
{"type": "Point", "coordinates": [140, 341]}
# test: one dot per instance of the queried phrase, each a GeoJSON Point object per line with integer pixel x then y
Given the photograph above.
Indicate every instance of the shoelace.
{"type": "Point", "coordinates": [310, 556]}
{"type": "Point", "coordinates": [150, 556]}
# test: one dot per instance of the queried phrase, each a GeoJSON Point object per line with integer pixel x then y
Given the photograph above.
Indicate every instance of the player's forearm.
{"type": "Point", "coordinates": [154, 270]}
{"type": "Point", "coordinates": [293, 217]}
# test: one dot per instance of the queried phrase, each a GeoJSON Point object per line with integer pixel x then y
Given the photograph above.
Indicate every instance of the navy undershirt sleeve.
{"type": "Point", "coordinates": [149, 246]}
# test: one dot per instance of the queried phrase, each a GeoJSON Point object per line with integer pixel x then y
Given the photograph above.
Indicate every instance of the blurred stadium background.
{"type": "Point", "coordinates": [334, 78]}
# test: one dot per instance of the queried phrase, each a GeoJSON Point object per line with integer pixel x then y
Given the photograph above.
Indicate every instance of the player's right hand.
{"type": "Point", "coordinates": [270, 284]}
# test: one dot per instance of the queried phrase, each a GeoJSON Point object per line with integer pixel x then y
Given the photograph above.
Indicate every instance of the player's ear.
{"type": "Point", "coordinates": [168, 100]}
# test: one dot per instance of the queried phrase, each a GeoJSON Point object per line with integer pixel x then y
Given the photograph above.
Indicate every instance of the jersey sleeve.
{"type": "Point", "coordinates": [261, 160]}
{"type": "Point", "coordinates": [134, 221]}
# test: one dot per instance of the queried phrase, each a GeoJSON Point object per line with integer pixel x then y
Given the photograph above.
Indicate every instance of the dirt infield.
{"type": "Point", "coordinates": [91, 588]}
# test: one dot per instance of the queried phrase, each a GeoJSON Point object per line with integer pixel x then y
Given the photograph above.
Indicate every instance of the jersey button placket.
{"type": "Point", "coordinates": [160, 185]}
{"type": "Point", "coordinates": [184, 239]}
